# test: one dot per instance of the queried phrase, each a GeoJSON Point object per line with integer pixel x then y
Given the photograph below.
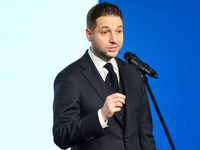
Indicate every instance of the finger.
{"type": "Point", "coordinates": [120, 100]}
{"type": "Point", "coordinates": [117, 109]}
{"type": "Point", "coordinates": [118, 104]}
{"type": "Point", "coordinates": [118, 95]}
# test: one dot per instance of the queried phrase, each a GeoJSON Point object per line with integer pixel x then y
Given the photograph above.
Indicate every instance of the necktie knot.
{"type": "Point", "coordinates": [109, 67]}
{"type": "Point", "coordinates": [111, 78]}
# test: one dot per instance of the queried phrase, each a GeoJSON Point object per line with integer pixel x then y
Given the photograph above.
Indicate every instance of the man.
{"type": "Point", "coordinates": [94, 111]}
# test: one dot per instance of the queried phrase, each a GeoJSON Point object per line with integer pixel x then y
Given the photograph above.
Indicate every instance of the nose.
{"type": "Point", "coordinates": [113, 38]}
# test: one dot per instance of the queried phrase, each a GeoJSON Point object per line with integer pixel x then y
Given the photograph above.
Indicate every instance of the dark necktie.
{"type": "Point", "coordinates": [111, 78]}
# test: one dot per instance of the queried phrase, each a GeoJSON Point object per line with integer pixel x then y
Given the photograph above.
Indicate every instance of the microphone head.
{"type": "Point", "coordinates": [143, 67]}
{"type": "Point", "coordinates": [128, 56]}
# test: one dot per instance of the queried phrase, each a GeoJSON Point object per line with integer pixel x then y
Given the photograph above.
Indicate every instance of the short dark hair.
{"type": "Point", "coordinates": [101, 9]}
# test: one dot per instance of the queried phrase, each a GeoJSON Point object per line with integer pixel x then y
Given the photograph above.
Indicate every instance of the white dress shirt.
{"type": "Point", "coordinates": [99, 63]}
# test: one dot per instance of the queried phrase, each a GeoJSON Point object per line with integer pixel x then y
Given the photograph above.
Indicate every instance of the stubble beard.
{"type": "Point", "coordinates": [104, 53]}
{"type": "Point", "coordinates": [107, 56]}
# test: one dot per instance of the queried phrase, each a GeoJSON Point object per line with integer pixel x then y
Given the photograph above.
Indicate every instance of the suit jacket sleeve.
{"type": "Point", "coordinates": [69, 127]}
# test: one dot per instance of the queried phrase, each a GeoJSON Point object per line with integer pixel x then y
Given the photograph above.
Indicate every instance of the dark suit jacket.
{"type": "Point", "coordinates": [79, 92]}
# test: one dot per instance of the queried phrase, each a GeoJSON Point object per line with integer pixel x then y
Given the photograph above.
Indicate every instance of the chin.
{"type": "Point", "coordinates": [113, 54]}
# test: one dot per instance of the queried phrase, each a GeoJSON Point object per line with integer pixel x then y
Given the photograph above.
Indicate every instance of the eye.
{"type": "Point", "coordinates": [119, 31]}
{"type": "Point", "coordinates": [105, 32]}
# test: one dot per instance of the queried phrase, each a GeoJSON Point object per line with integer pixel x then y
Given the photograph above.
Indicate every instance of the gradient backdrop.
{"type": "Point", "coordinates": [38, 38]}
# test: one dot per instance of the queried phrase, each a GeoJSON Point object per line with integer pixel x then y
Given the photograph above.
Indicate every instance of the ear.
{"type": "Point", "coordinates": [89, 34]}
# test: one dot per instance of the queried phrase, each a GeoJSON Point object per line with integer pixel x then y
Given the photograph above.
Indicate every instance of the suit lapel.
{"type": "Point", "coordinates": [127, 79]}
{"type": "Point", "coordinates": [93, 76]}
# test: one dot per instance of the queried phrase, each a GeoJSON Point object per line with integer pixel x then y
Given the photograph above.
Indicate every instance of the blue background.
{"type": "Point", "coordinates": [166, 35]}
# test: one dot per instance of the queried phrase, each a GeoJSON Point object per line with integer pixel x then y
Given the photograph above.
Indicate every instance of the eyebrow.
{"type": "Point", "coordinates": [109, 27]}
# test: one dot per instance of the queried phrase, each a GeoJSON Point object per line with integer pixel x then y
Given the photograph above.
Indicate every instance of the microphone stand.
{"type": "Point", "coordinates": [145, 80]}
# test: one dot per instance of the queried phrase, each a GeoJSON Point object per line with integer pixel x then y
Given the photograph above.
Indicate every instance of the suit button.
{"type": "Point", "coordinates": [126, 140]}
{"type": "Point", "coordinates": [121, 117]}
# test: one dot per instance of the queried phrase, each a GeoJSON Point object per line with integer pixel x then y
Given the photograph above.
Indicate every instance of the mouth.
{"type": "Point", "coordinates": [112, 48]}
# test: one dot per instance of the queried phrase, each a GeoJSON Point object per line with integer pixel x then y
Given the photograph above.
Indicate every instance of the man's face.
{"type": "Point", "coordinates": [107, 38]}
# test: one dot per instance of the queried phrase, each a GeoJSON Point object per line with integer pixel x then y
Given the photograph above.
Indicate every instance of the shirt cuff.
{"type": "Point", "coordinates": [102, 122]}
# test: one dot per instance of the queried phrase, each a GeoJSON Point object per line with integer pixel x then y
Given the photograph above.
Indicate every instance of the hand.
{"type": "Point", "coordinates": [113, 104]}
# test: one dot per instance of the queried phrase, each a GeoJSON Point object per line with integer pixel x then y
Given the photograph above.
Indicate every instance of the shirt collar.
{"type": "Point", "coordinates": [99, 63]}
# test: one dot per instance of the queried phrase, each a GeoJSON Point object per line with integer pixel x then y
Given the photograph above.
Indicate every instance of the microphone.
{"type": "Point", "coordinates": [143, 67]}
